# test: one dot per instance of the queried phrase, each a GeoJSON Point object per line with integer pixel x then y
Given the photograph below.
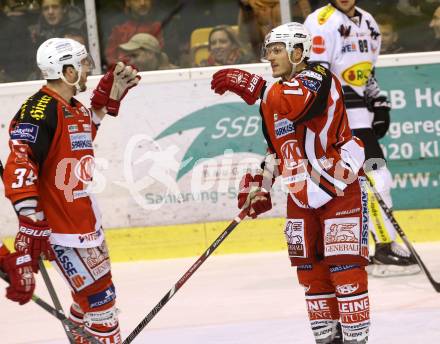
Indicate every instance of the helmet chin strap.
{"type": "Point", "coordinates": [294, 65]}
{"type": "Point", "coordinates": [76, 83]}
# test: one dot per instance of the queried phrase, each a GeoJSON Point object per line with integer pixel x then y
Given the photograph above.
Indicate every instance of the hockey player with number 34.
{"type": "Point", "coordinates": [47, 175]}
{"type": "Point", "coordinates": [311, 149]}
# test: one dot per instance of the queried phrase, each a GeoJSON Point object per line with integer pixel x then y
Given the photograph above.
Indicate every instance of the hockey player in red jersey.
{"type": "Point", "coordinates": [311, 149]}
{"type": "Point", "coordinates": [47, 175]}
{"type": "Point", "coordinates": [347, 40]}
{"type": "Point", "coordinates": [19, 270]}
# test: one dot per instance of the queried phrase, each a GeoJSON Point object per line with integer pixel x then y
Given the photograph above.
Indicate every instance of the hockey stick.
{"type": "Point", "coordinates": [186, 276]}
{"type": "Point", "coordinates": [60, 316]}
{"type": "Point", "coordinates": [49, 285]}
{"type": "Point", "coordinates": [402, 234]}
{"type": "Point", "coordinates": [55, 300]}
{"type": "Point", "coordinates": [50, 288]}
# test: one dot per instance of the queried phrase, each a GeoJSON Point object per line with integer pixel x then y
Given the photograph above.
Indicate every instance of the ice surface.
{"type": "Point", "coordinates": [243, 299]}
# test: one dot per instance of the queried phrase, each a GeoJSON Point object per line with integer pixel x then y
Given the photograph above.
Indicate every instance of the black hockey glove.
{"type": "Point", "coordinates": [381, 122]}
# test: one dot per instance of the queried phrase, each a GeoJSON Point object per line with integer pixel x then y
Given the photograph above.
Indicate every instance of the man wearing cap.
{"type": "Point", "coordinates": [143, 50]}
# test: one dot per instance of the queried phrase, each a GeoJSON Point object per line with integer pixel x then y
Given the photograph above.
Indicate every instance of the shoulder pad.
{"type": "Point", "coordinates": [325, 13]}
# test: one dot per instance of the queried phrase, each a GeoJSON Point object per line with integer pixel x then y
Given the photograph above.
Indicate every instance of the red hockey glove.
{"type": "Point", "coordinates": [21, 279]}
{"type": "Point", "coordinates": [113, 87]}
{"type": "Point", "coordinates": [33, 239]}
{"type": "Point", "coordinates": [248, 86]}
{"type": "Point", "coordinates": [253, 195]}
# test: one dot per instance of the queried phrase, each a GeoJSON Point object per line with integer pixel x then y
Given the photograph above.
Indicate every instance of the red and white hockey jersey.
{"type": "Point", "coordinates": [306, 125]}
{"type": "Point", "coordinates": [350, 46]}
{"type": "Point", "coordinates": [51, 160]}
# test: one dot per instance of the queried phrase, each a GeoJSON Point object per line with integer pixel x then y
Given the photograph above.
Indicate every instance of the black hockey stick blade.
{"type": "Point", "coordinates": [186, 276]}
{"type": "Point", "coordinates": [402, 234]}
{"type": "Point", "coordinates": [60, 316]}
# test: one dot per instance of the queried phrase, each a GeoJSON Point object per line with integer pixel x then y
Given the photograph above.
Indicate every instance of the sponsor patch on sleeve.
{"type": "Point", "coordinates": [312, 84]}
{"type": "Point", "coordinates": [25, 132]}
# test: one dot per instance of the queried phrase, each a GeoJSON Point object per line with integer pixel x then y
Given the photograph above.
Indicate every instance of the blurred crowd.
{"type": "Point", "coordinates": [167, 34]}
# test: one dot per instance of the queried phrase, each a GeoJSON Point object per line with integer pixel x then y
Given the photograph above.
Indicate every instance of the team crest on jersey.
{"type": "Point", "coordinates": [80, 141]}
{"type": "Point", "coordinates": [84, 169]}
{"type": "Point", "coordinates": [284, 127]}
{"type": "Point", "coordinates": [25, 132]}
{"type": "Point", "coordinates": [325, 14]}
{"type": "Point", "coordinates": [291, 154]}
{"type": "Point", "coordinates": [358, 74]}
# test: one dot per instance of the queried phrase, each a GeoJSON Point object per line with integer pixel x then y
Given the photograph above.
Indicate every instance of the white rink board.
{"type": "Point", "coordinates": [234, 299]}
{"type": "Point", "coordinates": [162, 99]}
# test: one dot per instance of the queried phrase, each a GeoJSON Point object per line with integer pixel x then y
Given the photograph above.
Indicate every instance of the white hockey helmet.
{"type": "Point", "coordinates": [55, 53]}
{"type": "Point", "coordinates": [291, 34]}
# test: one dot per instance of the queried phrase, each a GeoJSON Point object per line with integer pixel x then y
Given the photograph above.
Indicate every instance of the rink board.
{"type": "Point", "coordinates": [260, 235]}
{"type": "Point", "coordinates": [177, 151]}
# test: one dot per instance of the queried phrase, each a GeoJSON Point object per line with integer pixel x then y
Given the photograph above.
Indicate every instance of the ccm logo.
{"type": "Point", "coordinates": [35, 232]}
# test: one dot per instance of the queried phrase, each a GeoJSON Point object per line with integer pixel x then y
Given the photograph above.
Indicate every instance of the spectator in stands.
{"type": "Point", "coordinates": [16, 51]}
{"type": "Point", "coordinates": [57, 17]}
{"type": "Point", "coordinates": [258, 17]}
{"type": "Point", "coordinates": [435, 24]}
{"type": "Point", "coordinates": [224, 48]}
{"type": "Point", "coordinates": [143, 50]}
{"type": "Point", "coordinates": [14, 8]}
{"type": "Point", "coordinates": [76, 35]}
{"type": "Point", "coordinates": [137, 20]}
{"type": "Point", "coordinates": [390, 37]}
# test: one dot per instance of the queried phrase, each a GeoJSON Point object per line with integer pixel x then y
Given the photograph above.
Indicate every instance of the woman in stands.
{"type": "Point", "coordinates": [224, 48]}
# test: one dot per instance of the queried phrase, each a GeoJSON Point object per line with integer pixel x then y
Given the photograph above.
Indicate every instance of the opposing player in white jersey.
{"type": "Point", "coordinates": [347, 40]}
